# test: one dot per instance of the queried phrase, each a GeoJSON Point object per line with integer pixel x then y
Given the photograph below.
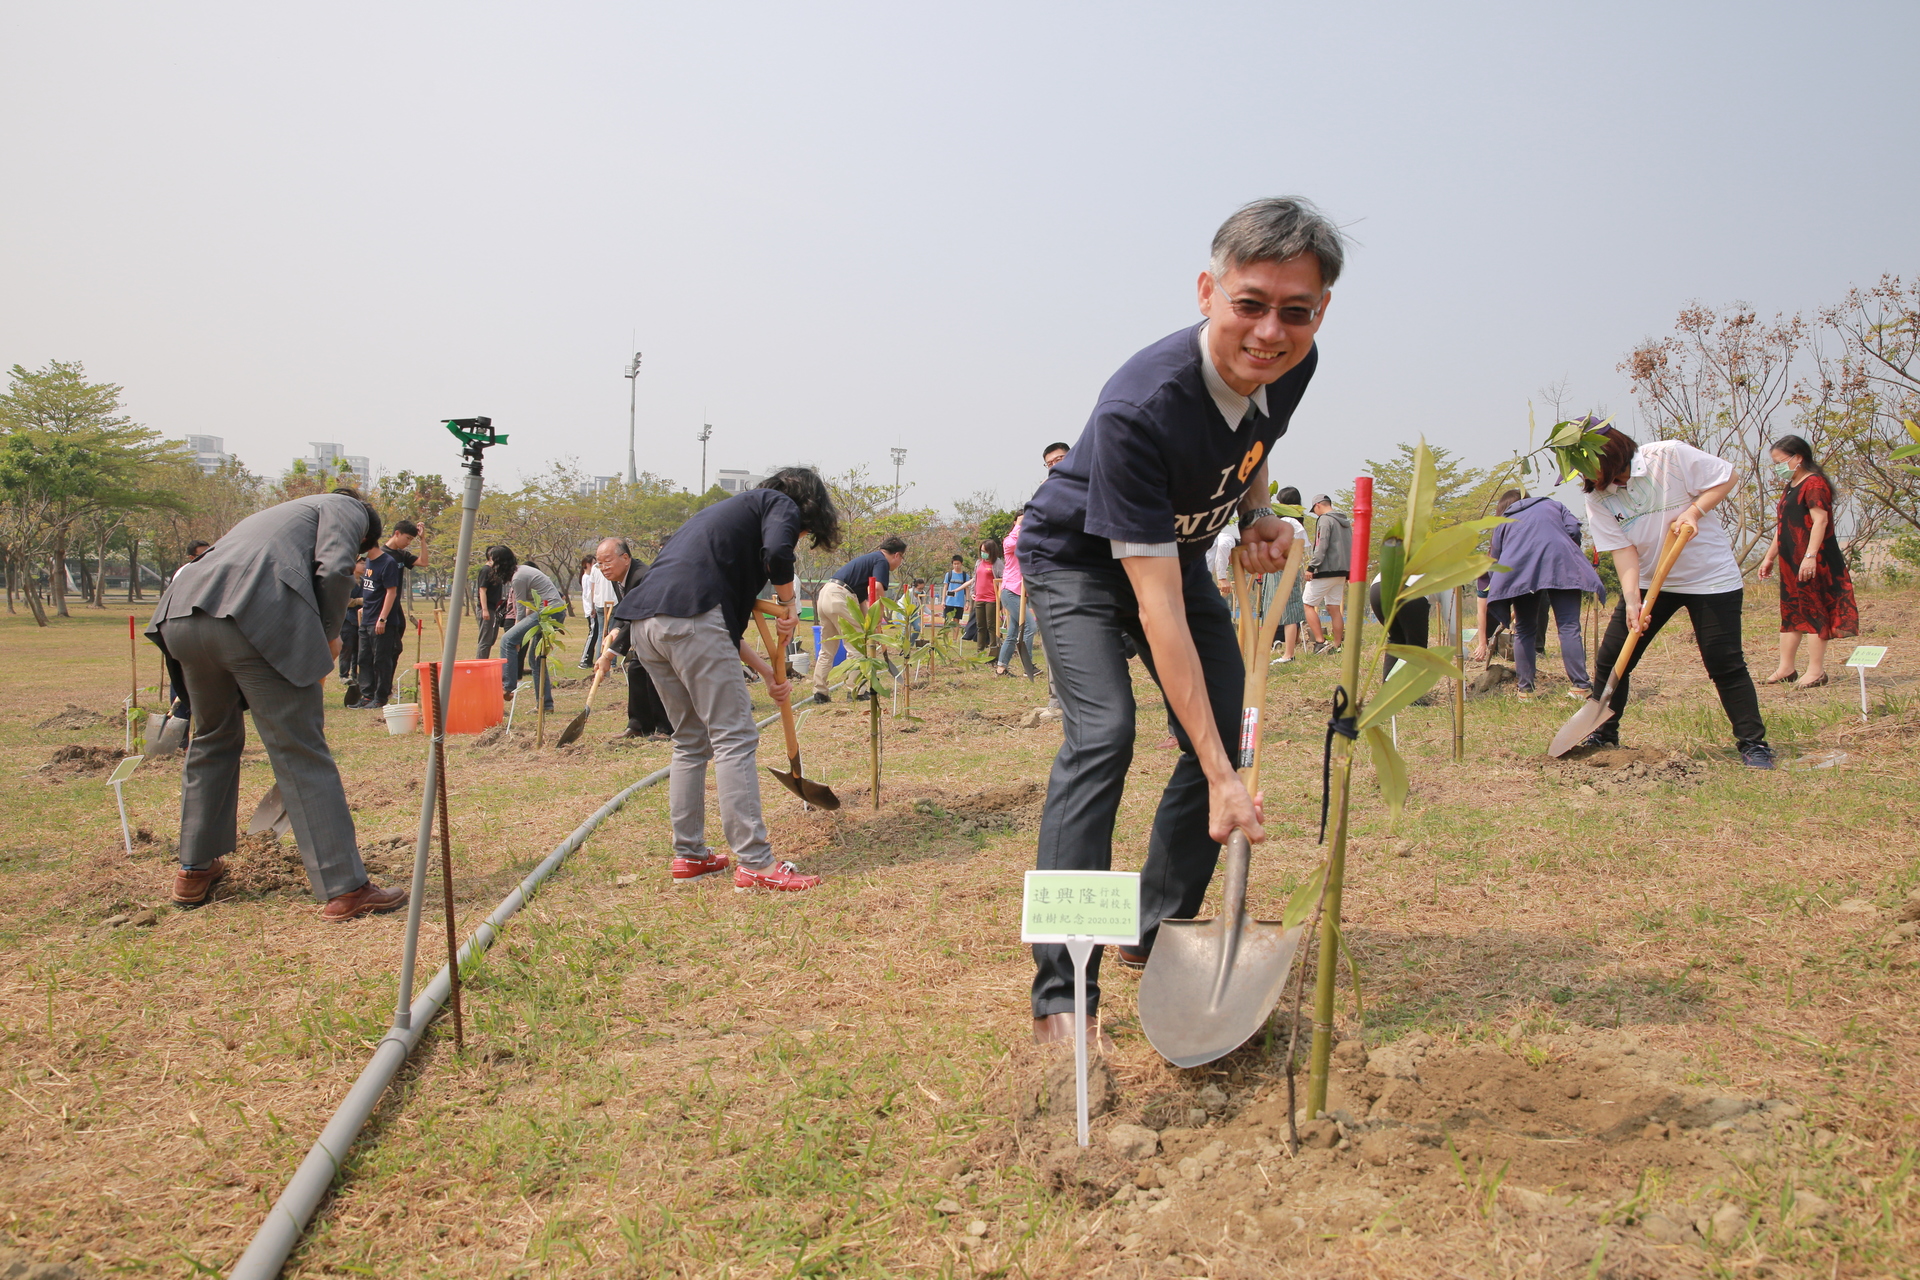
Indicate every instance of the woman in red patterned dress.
{"type": "Point", "coordinates": [1816, 591]}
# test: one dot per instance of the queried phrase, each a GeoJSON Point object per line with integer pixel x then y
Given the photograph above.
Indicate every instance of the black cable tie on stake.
{"type": "Point", "coordinates": [1344, 725]}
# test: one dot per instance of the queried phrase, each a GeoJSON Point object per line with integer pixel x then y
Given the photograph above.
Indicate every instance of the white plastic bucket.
{"type": "Point", "coordinates": [403, 717]}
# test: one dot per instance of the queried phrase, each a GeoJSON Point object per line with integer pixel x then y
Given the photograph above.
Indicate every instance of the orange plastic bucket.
{"type": "Point", "coordinates": [477, 701]}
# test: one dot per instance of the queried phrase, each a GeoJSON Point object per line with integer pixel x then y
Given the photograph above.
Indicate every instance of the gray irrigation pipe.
{"type": "Point", "coordinates": [290, 1213]}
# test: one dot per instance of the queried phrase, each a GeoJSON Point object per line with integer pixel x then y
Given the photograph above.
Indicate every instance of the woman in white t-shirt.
{"type": "Point", "coordinates": [1635, 497]}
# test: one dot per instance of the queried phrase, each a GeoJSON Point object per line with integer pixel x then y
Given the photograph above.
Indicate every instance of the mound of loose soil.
{"type": "Point", "coordinates": [75, 717]}
{"type": "Point", "coordinates": [1420, 1138]}
{"type": "Point", "coordinates": [1606, 769]}
{"type": "Point", "coordinates": [76, 761]}
{"type": "Point", "coordinates": [264, 865]}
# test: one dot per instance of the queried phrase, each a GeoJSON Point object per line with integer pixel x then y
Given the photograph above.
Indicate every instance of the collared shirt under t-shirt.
{"type": "Point", "coordinates": [1161, 461]}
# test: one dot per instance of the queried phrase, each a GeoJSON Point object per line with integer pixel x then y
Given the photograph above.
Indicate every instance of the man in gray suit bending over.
{"type": "Point", "coordinates": [255, 625]}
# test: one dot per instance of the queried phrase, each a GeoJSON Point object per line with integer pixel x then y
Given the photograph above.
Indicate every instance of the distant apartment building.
{"type": "Point", "coordinates": [209, 453]}
{"type": "Point", "coordinates": [326, 459]}
{"type": "Point", "coordinates": [737, 481]}
{"type": "Point", "coordinates": [594, 486]}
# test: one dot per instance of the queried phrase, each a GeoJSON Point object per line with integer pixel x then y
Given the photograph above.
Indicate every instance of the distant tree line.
{"type": "Point", "coordinates": [87, 494]}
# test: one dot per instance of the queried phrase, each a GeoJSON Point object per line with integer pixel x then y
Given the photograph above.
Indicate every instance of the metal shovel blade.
{"type": "Point", "coordinates": [1210, 984]}
{"type": "Point", "coordinates": [817, 794]}
{"type": "Point", "coordinates": [270, 815]}
{"type": "Point", "coordinates": [172, 736]}
{"type": "Point", "coordinates": [1593, 713]}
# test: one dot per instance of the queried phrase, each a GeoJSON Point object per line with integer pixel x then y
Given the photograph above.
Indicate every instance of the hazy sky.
{"type": "Point", "coordinates": [836, 228]}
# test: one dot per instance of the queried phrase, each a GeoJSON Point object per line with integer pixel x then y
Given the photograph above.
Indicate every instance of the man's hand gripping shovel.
{"type": "Point", "coordinates": [817, 794]}
{"type": "Point", "coordinates": [1210, 984]}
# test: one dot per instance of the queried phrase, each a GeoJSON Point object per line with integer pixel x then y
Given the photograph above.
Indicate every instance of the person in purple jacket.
{"type": "Point", "coordinates": [1540, 549]}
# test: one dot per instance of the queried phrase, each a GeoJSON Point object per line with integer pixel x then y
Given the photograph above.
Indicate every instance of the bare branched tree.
{"type": "Point", "coordinates": [1723, 383]}
{"type": "Point", "coordinates": [1864, 389]}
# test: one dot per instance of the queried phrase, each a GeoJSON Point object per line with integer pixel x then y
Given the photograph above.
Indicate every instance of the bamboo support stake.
{"type": "Point", "coordinates": [1460, 685]}
{"type": "Point", "coordinates": [1328, 964]}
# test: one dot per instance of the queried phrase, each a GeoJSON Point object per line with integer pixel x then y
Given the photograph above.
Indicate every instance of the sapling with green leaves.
{"type": "Point", "coordinates": [543, 658]}
{"type": "Point", "coordinates": [1416, 559]}
{"type": "Point", "coordinates": [1572, 449]}
{"type": "Point", "coordinates": [869, 638]}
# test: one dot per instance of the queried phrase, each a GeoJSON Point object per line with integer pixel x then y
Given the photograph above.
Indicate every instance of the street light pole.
{"type": "Point", "coordinates": [899, 457]}
{"type": "Point", "coordinates": [633, 383]}
{"type": "Point", "coordinates": [706, 434]}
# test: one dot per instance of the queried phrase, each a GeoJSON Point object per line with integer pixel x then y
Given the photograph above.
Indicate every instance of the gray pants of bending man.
{"type": "Point", "coordinates": [695, 666]}
{"type": "Point", "coordinates": [221, 666]}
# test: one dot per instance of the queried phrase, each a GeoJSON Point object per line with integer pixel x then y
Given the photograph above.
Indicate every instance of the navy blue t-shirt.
{"type": "Point", "coordinates": [854, 573]}
{"type": "Point", "coordinates": [720, 557]}
{"type": "Point", "coordinates": [381, 574]}
{"type": "Point", "coordinates": [1156, 462]}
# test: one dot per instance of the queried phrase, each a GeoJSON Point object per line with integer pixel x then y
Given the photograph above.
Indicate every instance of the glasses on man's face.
{"type": "Point", "coordinates": [1291, 315]}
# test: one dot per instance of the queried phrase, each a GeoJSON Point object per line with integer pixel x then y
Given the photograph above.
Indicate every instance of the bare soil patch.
{"type": "Point", "coordinates": [1587, 1146]}
{"type": "Point", "coordinates": [74, 717]}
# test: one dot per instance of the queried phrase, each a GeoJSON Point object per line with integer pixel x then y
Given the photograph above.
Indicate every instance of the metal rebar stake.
{"type": "Point", "coordinates": [477, 435]}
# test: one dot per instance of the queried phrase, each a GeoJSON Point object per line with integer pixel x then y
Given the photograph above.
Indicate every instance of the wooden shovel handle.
{"type": "Point", "coordinates": [593, 688]}
{"type": "Point", "coordinates": [1253, 695]}
{"type": "Point", "coordinates": [778, 658]}
{"type": "Point", "coordinates": [1677, 539]}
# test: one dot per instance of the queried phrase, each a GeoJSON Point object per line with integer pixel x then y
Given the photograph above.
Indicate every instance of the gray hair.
{"type": "Point", "coordinates": [1276, 229]}
{"type": "Point", "coordinates": [619, 545]}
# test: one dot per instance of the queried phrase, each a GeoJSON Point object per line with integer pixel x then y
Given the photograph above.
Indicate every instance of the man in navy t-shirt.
{"type": "Point", "coordinates": [849, 584]}
{"type": "Point", "coordinates": [1114, 547]}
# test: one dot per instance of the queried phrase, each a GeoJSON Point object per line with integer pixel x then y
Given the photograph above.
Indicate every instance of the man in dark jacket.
{"type": "Point", "coordinates": [646, 716]}
{"type": "Point", "coordinates": [254, 625]}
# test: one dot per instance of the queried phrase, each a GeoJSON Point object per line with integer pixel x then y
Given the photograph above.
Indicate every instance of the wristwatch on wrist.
{"type": "Point", "coordinates": [1250, 518]}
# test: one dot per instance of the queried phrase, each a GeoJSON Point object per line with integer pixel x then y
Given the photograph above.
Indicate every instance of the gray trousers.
{"type": "Point", "coordinates": [695, 666]}
{"type": "Point", "coordinates": [221, 666]}
{"type": "Point", "coordinates": [1084, 616]}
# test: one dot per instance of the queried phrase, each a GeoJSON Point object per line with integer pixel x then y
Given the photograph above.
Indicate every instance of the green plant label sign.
{"type": "Point", "coordinates": [124, 769]}
{"type": "Point", "coordinates": [1101, 905]}
{"type": "Point", "coordinates": [1866, 655]}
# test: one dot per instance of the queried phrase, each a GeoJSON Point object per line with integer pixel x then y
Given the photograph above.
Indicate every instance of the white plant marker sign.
{"type": "Point", "coordinates": [1081, 909]}
{"type": "Point", "coordinates": [1862, 657]}
{"type": "Point", "coordinates": [116, 780]}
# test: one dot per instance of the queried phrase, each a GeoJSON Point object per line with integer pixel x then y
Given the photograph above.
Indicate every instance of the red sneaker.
{"type": "Point", "coordinates": [781, 876]}
{"type": "Point", "coordinates": [686, 870]}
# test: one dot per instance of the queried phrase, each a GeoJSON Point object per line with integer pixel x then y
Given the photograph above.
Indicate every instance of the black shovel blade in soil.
{"type": "Point", "coordinates": [1593, 713]}
{"type": "Point", "coordinates": [352, 698]}
{"type": "Point", "coordinates": [817, 794]}
{"type": "Point", "coordinates": [575, 727]}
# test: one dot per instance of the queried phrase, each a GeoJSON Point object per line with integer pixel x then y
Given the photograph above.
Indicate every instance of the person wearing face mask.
{"type": "Point", "coordinates": [1816, 590]}
{"type": "Point", "coordinates": [1636, 496]}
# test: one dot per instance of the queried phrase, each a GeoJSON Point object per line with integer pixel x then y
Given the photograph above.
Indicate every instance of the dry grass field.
{"type": "Point", "coordinates": [1649, 1016]}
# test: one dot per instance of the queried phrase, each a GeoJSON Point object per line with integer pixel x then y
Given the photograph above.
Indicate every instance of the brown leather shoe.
{"type": "Point", "coordinates": [193, 886]}
{"type": "Point", "coordinates": [368, 900]}
{"type": "Point", "coordinates": [1058, 1028]}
